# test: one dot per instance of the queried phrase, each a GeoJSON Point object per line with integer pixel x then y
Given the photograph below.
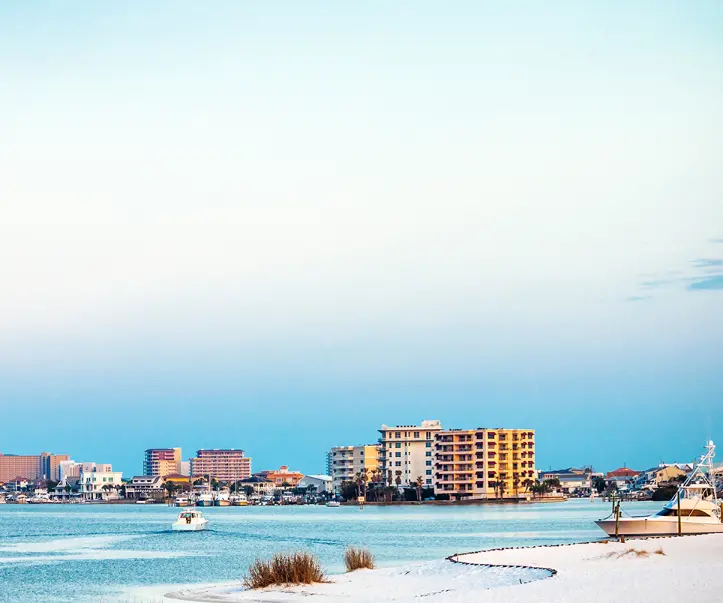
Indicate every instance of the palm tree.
{"type": "Point", "coordinates": [358, 481]}
{"type": "Point", "coordinates": [365, 481]}
{"type": "Point", "coordinates": [493, 485]}
{"type": "Point", "coordinates": [420, 481]}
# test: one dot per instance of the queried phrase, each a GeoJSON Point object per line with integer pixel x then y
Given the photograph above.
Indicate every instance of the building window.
{"type": "Point", "coordinates": [398, 445]}
{"type": "Point", "coordinates": [397, 454]}
{"type": "Point", "coordinates": [428, 453]}
{"type": "Point", "coordinates": [416, 435]}
{"type": "Point", "coordinates": [429, 463]}
{"type": "Point", "coordinates": [429, 472]}
{"type": "Point", "coordinates": [428, 444]}
{"type": "Point", "coordinates": [398, 434]}
{"type": "Point", "coordinates": [398, 464]}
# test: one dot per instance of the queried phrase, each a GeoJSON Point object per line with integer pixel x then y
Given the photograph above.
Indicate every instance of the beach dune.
{"type": "Point", "coordinates": [661, 569]}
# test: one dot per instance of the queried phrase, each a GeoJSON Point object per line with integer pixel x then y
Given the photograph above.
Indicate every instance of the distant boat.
{"type": "Point", "coordinates": [205, 500]}
{"type": "Point", "coordinates": [222, 500]}
{"type": "Point", "coordinates": [182, 501]}
{"type": "Point", "coordinates": [190, 520]}
{"type": "Point", "coordinates": [694, 509]}
{"type": "Point", "coordinates": [239, 500]}
{"type": "Point", "coordinates": [333, 503]}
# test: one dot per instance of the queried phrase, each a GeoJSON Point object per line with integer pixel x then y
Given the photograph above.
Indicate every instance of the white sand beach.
{"type": "Point", "coordinates": [691, 567]}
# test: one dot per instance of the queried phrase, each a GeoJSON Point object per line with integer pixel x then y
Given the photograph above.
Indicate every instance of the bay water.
{"type": "Point", "coordinates": [94, 553]}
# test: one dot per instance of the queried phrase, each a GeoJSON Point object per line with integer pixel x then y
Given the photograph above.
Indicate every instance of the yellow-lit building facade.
{"type": "Point", "coordinates": [344, 463]}
{"type": "Point", "coordinates": [484, 463]}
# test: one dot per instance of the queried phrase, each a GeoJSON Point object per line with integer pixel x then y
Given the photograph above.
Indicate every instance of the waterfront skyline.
{"type": "Point", "coordinates": [276, 228]}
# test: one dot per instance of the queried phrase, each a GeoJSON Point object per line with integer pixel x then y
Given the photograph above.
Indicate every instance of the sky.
{"type": "Point", "coordinates": [278, 225]}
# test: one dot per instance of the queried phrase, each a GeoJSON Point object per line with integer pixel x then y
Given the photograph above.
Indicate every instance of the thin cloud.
{"type": "Point", "coordinates": [708, 263]}
{"type": "Point", "coordinates": [706, 275]}
{"type": "Point", "coordinates": [716, 240]}
{"type": "Point", "coordinates": [711, 283]}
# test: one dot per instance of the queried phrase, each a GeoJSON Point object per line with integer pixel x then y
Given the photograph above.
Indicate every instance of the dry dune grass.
{"type": "Point", "coordinates": [285, 568]}
{"type": "Point", "coordinates": [631, 552]}
{"type": "Point", "coordinates": [357, 558]}
{"type": "Point", "coordinates": [660, 551]}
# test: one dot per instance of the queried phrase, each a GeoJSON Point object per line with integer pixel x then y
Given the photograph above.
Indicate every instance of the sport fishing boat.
{"type": "Point", "coordinates": [182, 501]}
{"type": "Point", "coordinates": [222, 499]}
{"type": "Point", "coordinates": [239, 500]}
{"type": "Point", "coordinates": [695, 508]}
{"type": "Point", "coordinates": [189, 520]}
{"type": "Point", "coordinates": [205, 499]}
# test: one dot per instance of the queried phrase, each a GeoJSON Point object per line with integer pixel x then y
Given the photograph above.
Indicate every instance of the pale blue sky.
{"type": "Point", "coordinates": [277, 225]}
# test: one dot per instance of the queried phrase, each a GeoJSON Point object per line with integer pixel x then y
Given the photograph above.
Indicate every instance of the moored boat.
{"type": "Point", "coordinates": [695, 509]}
{"type": "Point", "coordinates": [239, 500]}
{"type": "Point", "coordinates": [205, 499]}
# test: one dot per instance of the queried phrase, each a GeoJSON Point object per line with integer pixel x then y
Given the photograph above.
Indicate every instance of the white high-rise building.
{"type": "Point", "coordinates": [406, 452]}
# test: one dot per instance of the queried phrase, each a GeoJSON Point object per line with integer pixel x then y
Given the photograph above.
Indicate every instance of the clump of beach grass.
{"type": "Point", "coordinates": [284, 568]}
{"type": "Point", "coordinates": [660, 551]}
{"type": "Point", "coordinates": [358, 558]}
{"type": "Point", "coordinates": [633, 552]}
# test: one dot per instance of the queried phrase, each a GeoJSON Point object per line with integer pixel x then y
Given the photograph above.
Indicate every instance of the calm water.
{"type": "Point", "coordinates": [92, 552]}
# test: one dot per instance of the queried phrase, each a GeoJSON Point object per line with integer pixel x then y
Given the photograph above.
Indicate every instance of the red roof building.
{"type": "Point", "coordinates": [622, 472]}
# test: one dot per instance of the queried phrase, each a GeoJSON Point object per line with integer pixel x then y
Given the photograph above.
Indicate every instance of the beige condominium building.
{"type": "Point", "coordinates": [484, 463]}
{"type": "Point", "coordinates": [33, 467]}
{"type": "Point", "coordinates": [406, 452]}
{"type": "Point", "coordinates": [227, 465]}
{"type": "Point", "coordinates": [344, 463]}
{"type": "Point", "coordinates": [162, 461]}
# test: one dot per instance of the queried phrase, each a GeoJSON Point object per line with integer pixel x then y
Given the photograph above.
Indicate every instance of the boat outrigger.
{"type": "Point", "coordinates": [695, 508]}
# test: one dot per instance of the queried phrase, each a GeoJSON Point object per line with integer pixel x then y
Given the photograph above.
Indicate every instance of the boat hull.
{"type": "Point", "coordinates": [193, 527]}
{"type": "Point", "coordinates": [663, 526]}
{"type": "Point", "coordinates": [222, 503]}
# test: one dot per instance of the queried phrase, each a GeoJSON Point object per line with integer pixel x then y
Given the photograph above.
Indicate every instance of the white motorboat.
{"type": "Point", "coordinates": [333, 503]}
{"type": "Point", "coordinates": [182, 501]}
{"type": "Point", "coordinates": [239, 500]}
{"type": "Point", "coordinates": [695, 509]}
{"type": "Point", "coordinates": [190, 520]}
{"type": "Point", "coordinates": [222, 499]}
{"type": "Point", "coordinates": [205, 499]}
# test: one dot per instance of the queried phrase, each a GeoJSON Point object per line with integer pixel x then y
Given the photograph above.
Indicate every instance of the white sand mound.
{"type": "Point", "coordinates": [692, 567]}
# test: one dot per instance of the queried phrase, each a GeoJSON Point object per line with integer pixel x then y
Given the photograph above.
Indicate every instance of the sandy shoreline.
{"type": "Point", "coordinates": [691, 566]}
